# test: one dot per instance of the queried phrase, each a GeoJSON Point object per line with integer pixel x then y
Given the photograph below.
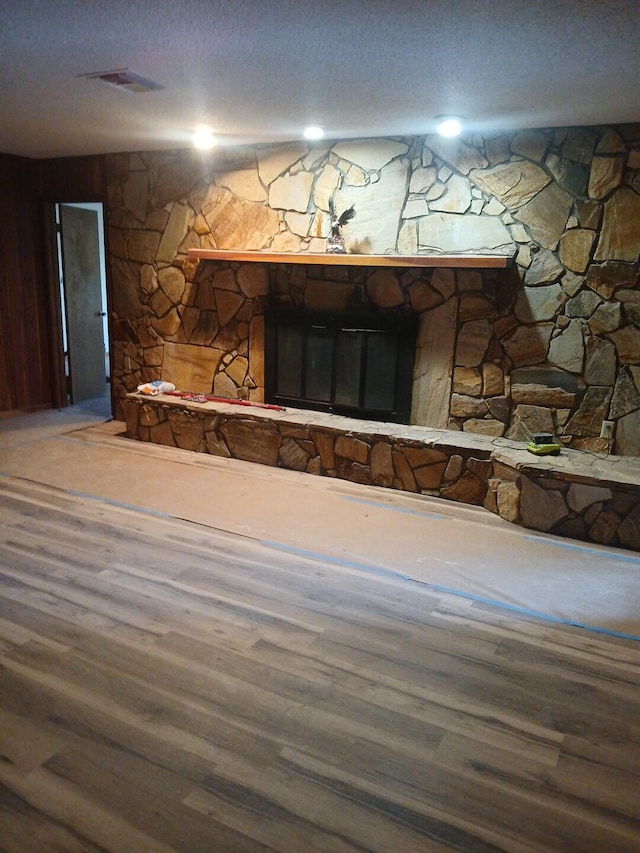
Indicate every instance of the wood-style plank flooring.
{"type": "Point", "coordinates": [168, 687]}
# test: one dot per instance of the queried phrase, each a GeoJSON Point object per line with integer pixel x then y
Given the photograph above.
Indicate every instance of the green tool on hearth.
{"type": "Point", "coordinates": [543, 444]}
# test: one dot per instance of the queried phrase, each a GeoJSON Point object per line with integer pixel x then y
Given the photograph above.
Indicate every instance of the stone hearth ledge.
{"type": "Point", "coordinates": [576, 494]}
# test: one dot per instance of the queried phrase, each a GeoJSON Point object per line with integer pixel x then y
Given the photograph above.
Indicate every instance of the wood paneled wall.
{"type": "Point", "coordinates": [25, 380]}
{"type": "Point", "coordinates": [29, 314]}
{"type": "Point", "coordinates": [68, 179]}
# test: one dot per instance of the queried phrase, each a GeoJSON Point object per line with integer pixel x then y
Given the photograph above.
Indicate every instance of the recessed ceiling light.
{"type": "Point", "coordinates": [203, 137]}
{"type": "Point", "coordinates": [449, 126]}
{"type": "Point", "coordinates": [313, 132]}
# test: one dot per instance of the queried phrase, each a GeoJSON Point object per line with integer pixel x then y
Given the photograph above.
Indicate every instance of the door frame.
{"type": "Point", "coordinates": [58, 379]}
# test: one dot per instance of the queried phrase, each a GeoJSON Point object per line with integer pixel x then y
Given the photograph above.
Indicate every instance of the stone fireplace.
{"type": "Point", "coordinates": [455, 374]}
{"type": "Point", "coordinates": [551, 345]}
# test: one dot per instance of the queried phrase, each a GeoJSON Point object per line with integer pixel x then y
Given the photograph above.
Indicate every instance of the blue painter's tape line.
{"type": "Point", "coordinates": [335, 561]}
{"type": "Point", "coordinates": [584, 549]}
{"type": "Point", "coordinates": [108, 501]}
{"type": "Point", "coordinates": [393, 508]}
{"type": "Point", "coordinates": [118, 504]}
{"type": "Point", "coordinates": [523, 611]}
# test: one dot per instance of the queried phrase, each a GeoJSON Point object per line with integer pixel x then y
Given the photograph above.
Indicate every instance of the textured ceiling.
{"type": "Point", "coordinates": [261, 69]}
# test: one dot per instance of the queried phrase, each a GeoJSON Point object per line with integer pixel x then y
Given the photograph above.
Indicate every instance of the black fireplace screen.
{"type": "Point", "coordinates": [353, 364]}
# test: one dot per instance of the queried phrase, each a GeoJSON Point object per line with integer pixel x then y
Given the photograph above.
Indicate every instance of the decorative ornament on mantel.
{"type": "Point", "coordinates": [335, 242]}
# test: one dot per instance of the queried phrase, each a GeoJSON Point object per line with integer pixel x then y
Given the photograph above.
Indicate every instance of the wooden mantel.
{"type": "Point", "coordinates": [326, 260]}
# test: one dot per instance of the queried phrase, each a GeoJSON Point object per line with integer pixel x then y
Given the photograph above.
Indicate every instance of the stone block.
{"type": "Point", "coordinates": [253, 441]}
{"type": "Point", "coordinates": [500, 408]}
{"type": "Point", "coordinates": [291, 192]}
{"type": "Point", "coordinates": [244, 183]}
{"type": "Point", "coordinates": [513, 184]}
{"type": "Point", "coordinates": [475, 306]}
{"type": "Point", "coordinates": [606, 318]}
{"type": "Point", "coordinates": [423, 297]}
{"type": "Point", "coordinates": [627, 440]}
{"type": "Point", "coordinates": [190, 368]}
{"type": "Point", "coordinates": [354, 472]}
{"type": "Point", "coordinates": [235, 222]}
{"type": "Point", "coordinates": [382, 472]}
{"type": "Point", "coordinates": [528, 420]}
{"type": "Point", "coordinates": [629, 530]}
{"type": "Point", "coordinates": [371, 154]}
{"type": "Point", "coordinates": [404, 471]}
{"type": "Point", "coordinates": [277, 159]}
{"type": "Point", "coordinates": [131, 413]}
{"type": "Point", "coordinates": [567, 349]}
{"type": "Point", "coordinates": [167, 326]}
{"type": "Point", "coordinates": [227, 305]}
{"type": "Point", "coordinates": [473, 340]}
{"type": "Point", "coordinates": [149, 414]}
{"type": "Point", "coordinates": [352, 448]}
{"type": "Point", "coordinates": [448, 233]}
{"type": "Point", "coordinates": [609, 277]}
{"type": "Point", "coordinates": [433, 366]}
{"type": "Point", "coordinates": [162, 433]}
{"type": "Point", "coordinates": [540, 508]}
{"type": "Point", "coordinates": [253, 280]}
{"type": "Point", "coordinates": [215, 445]}
{"type": "Point", "coordinates": [575, 249]}
{"type": "Point", "coordinates": [237, 370]}
{"type": "Point", "coordinates": [626, 397]}
{"type": "Point", "coordinates": [620, 234]}
{"type": "Point", "coordinates": [324, 443]}
{"type": "Point", "coordinates": [580, 496]}
{"type": "Point", "coordinates": [462, 157]}
{"type": "Point", "coordinates": [224, 386]}
{"type": "Point", "coordinates": [469, 489]}
{"type": "Point", "coordinates": [536, 304]}
{"type": "Point", "coordinates": [583, 304]}
{"type": "Point", "coordinates": [630, 300]}
{"type": "Point", "coordinates": [605, 528]}
{"type": "Point", "coordinates": [508, 501]}
{"type": "Point", "coordinates": [187, 430]}
{"type": "Point", "coordinates": [171, 281]}
{"type": "Point", "coordinates": [463, 406]}
{"type": "Point", "coordinates": [456, 198]}
{"type": "Point", "coordinates": [484, 426]}
{"type": "Point", "coordinates": [467, 381]}
{"type": "Point", "coordinates": [541, 395]}
{"type": "Point", "coordinates": [492, 379]}
{"type": "Point", "coordinates": [545, 269]}
{"type": "Point", "coordinates": [605, 176]}
{"type": "Point", "coordinates": [374, 228]}
{"type": "Point", "coordinates": [430, 476]}
{"type": "Point", "coordinates": [454, 468]}
{"type": "Point", "coordinates": [292, 456]}
{"type": "Point", "coordinates": [528, 344]}
{"type": "Point", "coordinates": [546, 215]}
{"type": "Point", "coordinates": [627, 344]}
{"type": "Point", "coordinates": [383, 289]}
{"type": "Point", "coordinates": [592, 411]}
{"type": "Point", "coordinates": [174, 233]}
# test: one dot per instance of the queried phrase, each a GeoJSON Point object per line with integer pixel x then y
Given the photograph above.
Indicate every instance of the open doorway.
{"type": "Point", "coordinates": [83, 300]}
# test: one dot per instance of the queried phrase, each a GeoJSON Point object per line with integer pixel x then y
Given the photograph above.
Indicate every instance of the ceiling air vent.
{"type": "Point", "coordinates": [124, 80]}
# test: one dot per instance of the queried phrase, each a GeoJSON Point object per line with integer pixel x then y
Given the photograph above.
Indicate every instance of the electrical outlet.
{"type": "Point", "coordinates": [606, 430]}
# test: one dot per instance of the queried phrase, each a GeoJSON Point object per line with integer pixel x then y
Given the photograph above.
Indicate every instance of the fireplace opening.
{"type": "Point", "coordinates": [356, 364]}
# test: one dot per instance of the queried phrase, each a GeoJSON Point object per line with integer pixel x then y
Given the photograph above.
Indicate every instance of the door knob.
{"type": "Point", "coordinates": [101, 314]}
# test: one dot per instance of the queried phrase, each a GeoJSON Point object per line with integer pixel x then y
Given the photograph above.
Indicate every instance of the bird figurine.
{"type": "Point", "coordinates": [338, 221]}
{"type": "Point", "coordinates": [335, 243]}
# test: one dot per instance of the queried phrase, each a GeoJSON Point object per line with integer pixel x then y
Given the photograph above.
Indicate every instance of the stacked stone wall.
{"type": "Point", "coordinates": [553, 347]}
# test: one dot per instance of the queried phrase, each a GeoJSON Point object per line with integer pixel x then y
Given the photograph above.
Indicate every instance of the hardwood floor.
{"type": "Point", "coordinates": [169, 687]}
